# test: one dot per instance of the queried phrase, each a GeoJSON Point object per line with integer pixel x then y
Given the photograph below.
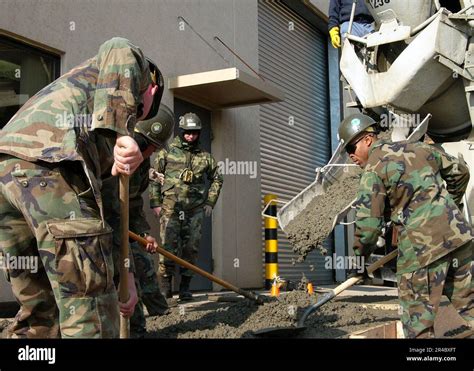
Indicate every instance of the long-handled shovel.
{"type": "Point", "coordinates": [293, 330]}
{"type": "Point", "coordinates": [248, 294]}
{"type": "Point", "coordinates": [124, 221]}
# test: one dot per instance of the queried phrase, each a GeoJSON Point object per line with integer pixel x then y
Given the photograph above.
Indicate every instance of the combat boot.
{"type": "Point", "coordinates": [166, 286]}
{"type": "Point", "coordinates": [184, 293]}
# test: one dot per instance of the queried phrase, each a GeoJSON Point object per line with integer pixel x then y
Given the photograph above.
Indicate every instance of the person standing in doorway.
{"type": "Point", "coordinates": [182, 201]}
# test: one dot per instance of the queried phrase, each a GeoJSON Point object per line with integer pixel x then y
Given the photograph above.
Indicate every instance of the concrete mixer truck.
{"type": "Point", "coordinates": [415, 76]}
{"type": "Point", "coordinates": [419, 62]}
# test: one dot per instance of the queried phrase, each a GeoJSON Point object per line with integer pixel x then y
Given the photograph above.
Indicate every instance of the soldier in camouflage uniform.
{"type": "Point", "coordinates": [182, 200]}
{"type": "Point", "coordinates": [424, 187]}
{"type": "Point", "coordinates": [54, 154]}
{"type": "Point", "coordinates": [150, 135]}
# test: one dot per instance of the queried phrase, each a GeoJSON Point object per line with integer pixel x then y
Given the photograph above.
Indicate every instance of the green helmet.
{"type": "Point", "coordinates": [190, 121]}
{"type": "Point", "coordinates": [352, 126]}
{"type": "Point", "coordinates": [158, 129]}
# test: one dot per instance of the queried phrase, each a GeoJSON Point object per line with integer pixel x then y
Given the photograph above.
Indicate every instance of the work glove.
{"type": "Point", "coordinates": [335, 37]}
{"type": "Point", "coordinates": [207, 210]}
{"type": "Point", "coordinates": [358, 272]}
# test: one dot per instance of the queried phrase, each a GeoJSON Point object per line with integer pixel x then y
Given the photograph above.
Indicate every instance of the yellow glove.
{"type": "Point", "coordinates": [335, 37]}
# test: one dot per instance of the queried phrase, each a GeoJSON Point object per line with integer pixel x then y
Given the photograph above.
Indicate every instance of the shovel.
{"type": "Point", "coordinates": [294, 330]}
{"type": "Point", "coordinates": [124, 221]}
{"type": "Point", "coordinates": [247, 294]}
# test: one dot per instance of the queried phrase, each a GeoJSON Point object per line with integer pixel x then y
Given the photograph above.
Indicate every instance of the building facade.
{"type": "Point", "coordinates": [262, 148]}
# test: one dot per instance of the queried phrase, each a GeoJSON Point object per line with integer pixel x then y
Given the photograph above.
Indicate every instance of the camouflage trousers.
{"type": "Point", "coordinates": [45, 217]}
{"type": "Point", "coordinates": [420, 292]}
{"type": "Point", "coordinates": [180, 233]}
{"type": "Point", "coordinates": [148, 288]}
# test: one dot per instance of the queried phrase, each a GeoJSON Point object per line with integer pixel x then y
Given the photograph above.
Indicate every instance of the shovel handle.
{"type": "Point", "coordinates": [124, 221]}
{"type": "Point", "coordinates": [382, 261]}
{"type": "Point", "coordinates": [346, 284]}
{"type": "Point", "coordinates": [370, 269]}
{"type": "Point", "coordinates": [201, 272]}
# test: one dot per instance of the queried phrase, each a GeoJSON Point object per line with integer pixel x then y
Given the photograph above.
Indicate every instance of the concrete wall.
{"type": "Point", "coordinates": [79, 27]}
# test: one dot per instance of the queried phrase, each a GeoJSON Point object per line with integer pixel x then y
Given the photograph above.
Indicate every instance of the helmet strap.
{"type": "Point", "coordinates": [181, 135]}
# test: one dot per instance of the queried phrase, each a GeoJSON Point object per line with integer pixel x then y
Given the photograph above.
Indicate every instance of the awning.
{"type": "Point", "coordinates": [225, 88]}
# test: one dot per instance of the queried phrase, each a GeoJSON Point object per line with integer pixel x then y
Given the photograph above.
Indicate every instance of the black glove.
{"type": "Point", "coordinates": [359, 270]}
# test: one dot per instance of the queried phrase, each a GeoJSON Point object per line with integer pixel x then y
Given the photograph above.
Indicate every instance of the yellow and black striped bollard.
{"type": "Point", "coordinates": [271, 242]}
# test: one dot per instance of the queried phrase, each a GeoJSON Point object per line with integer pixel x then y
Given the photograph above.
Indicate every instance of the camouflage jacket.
{"type": "Point", "coordinates": [175, 194]}
{"type": "Point", "coordinates": [60, 122]}
{"type": "Point", "coordinates": [424, 187]}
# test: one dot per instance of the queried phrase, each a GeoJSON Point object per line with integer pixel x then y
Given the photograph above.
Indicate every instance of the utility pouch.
{"type": "Point", "coordinates": [187, 175]}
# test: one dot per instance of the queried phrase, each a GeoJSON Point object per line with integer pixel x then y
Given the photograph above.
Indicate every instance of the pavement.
{"type": "Point", "coordinates": [366, 290]}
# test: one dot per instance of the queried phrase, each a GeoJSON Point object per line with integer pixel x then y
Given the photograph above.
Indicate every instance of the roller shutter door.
{"type": "Point", "coordinates": [295, 134]}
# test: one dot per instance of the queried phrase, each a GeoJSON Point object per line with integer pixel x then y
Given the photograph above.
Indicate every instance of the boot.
{"type": "Point", "coordinates": [166, 286]}
{"type": "Point", "coordinates": [184, 293]}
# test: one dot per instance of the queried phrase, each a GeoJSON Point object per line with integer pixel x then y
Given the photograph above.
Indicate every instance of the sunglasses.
{"type": "Point", "coordinates": [351, 148]}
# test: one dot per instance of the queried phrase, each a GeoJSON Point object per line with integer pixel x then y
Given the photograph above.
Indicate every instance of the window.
{"type": "Point", "coordinates": [24, 71]}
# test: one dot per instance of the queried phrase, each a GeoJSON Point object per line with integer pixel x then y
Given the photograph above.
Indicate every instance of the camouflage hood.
{"type": "Point", "coordinates": [59, 123]}
{"type": "Point", "coordinates": [103, 92]}
{"type": "Point", "coordinates": [179, 142]}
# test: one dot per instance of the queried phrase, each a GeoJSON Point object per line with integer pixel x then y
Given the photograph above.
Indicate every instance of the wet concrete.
{"type": "Point", "coordinates": [308, 230]}
{"type": "Point", "coordinates": [335, 319]}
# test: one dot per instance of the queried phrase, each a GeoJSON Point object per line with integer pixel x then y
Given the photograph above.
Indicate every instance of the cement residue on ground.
{"type": "Point", "coordinates": [238, 320]}
{"type": "Point", "coordinates": [308, 230]}
{"type": "Point", "coordinates": [303, 283]}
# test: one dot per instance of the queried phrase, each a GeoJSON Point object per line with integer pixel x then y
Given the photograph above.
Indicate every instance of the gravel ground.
{"type": "Point", "coordinates": [335, 319]}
